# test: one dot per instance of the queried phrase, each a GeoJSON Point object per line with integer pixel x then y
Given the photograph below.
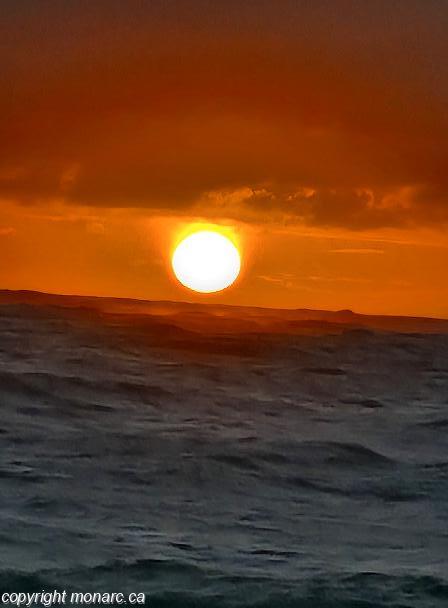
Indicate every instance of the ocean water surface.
{"type": "Point", "coordinates": [226, 470]}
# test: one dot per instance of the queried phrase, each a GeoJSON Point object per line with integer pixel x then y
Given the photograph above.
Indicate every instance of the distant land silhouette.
{"type": "Point", "coordinates": [211, 318]}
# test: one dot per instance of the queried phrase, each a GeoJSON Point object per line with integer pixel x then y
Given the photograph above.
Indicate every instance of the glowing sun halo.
{"type": "Point", "coordinates": [206, 261]}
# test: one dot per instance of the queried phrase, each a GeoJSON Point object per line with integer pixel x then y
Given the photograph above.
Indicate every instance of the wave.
{"type": "Point", "coordinates": [374, 489]}
{"type": "Point", "coordinates": [328, 452]}
{"type": "Point", "coordinates": [440, 423]}
{"type": "Point", "coordinates": [44, 384]}
{"type": "Point", "coordinates": [200, 588]}
{"type": "Point", "coordinates": [350, 453]}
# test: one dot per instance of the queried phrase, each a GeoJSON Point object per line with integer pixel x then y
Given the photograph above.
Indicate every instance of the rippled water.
{"type": "Point", "coordinates": [311, 471]}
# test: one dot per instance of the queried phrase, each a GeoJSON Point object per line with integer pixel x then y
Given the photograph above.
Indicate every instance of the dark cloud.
{"type": "Point", "coordinates": [261, 111]}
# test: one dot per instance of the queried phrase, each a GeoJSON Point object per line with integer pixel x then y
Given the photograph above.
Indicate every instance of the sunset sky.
{"type": "Point", "coordinates": [315, 131]}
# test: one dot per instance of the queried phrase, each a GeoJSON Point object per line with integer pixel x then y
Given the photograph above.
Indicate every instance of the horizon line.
{"type": "Point", "coordinates": [186, 302]}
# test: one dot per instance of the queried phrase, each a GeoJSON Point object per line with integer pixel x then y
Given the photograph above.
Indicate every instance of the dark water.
{"type": "Point", "coordinates": [312, 474]}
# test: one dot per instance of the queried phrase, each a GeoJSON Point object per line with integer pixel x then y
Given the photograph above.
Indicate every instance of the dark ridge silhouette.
{"type": "Point", "coordinates": [168, 318]}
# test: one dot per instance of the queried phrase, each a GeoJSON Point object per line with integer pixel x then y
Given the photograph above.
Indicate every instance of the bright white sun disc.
{"type": "Point", "coordinates": [206, 261]}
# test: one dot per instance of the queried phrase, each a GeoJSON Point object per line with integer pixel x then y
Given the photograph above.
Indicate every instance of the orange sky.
{"type": "Point", "coordinates": [316, 131]}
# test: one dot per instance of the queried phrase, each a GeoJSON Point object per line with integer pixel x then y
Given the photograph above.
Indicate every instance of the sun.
{"type": "Point", "coordinates": [206, 261]}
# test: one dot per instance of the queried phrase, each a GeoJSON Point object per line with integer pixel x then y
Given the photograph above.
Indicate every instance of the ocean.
{"type": "Point", "coordinates": [226, 467]}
